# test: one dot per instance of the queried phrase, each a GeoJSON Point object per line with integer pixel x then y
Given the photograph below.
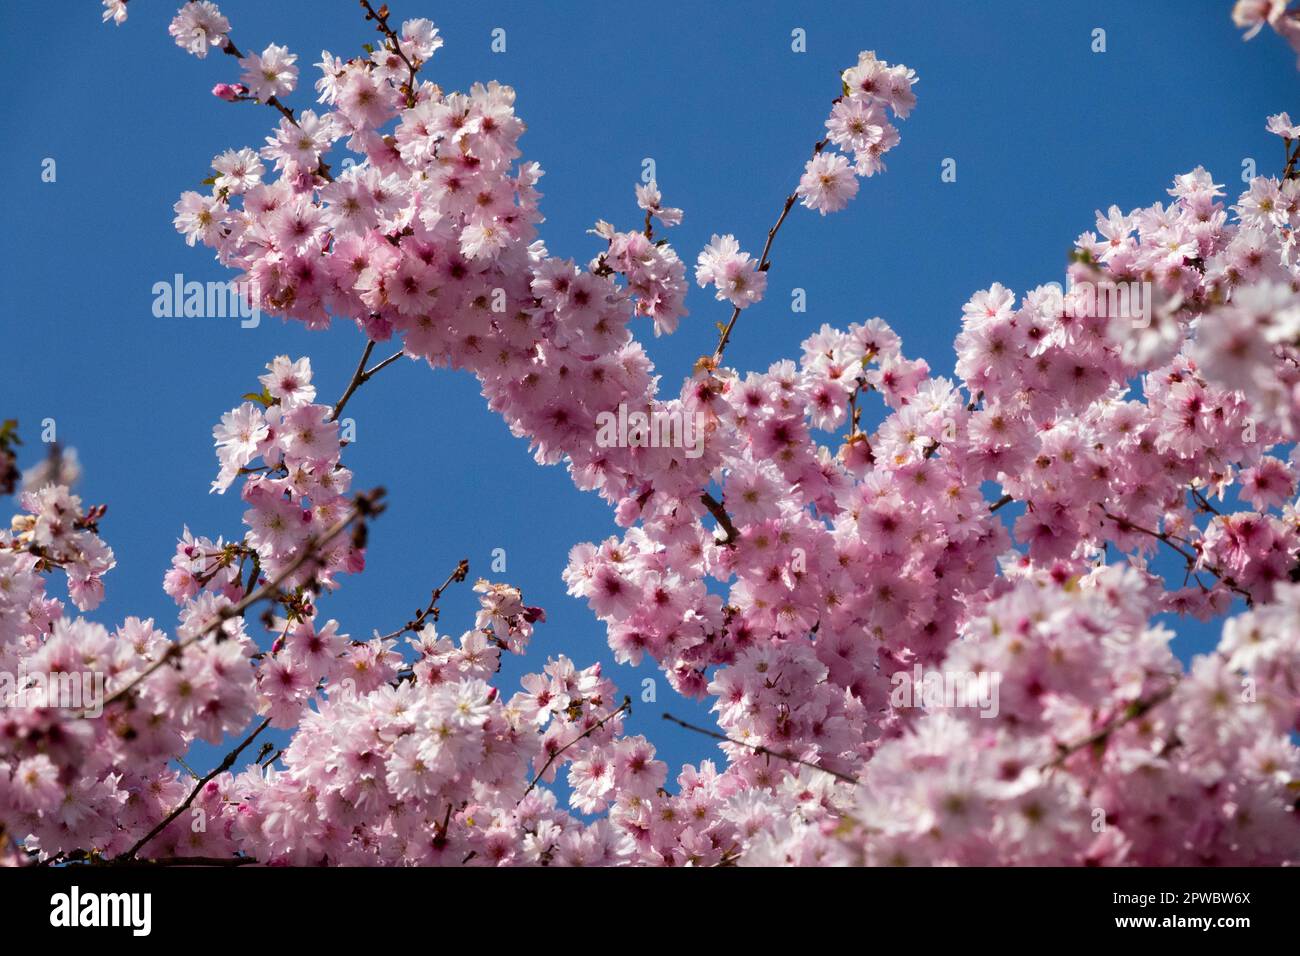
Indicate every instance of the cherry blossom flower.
{"type": "Point", "coordinates": [733, 272]}
{"type": "Point", "coordinates": [198, 27]}
{"type": "Point", "coordinates": [269, 74]}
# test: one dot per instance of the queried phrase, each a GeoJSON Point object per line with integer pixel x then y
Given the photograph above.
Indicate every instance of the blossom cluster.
{"type": "Point", "coordinates": [396, 756]}
{"type": "Point", "coordinates": [858, 127]}
{"type": "Point", "coordinates": [788, 571]}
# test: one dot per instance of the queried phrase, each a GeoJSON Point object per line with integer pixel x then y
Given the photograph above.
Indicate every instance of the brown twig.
{"type": "Point", "coordinates": [231, 50]}
{"type": "Point", "coordinates": [367, 504]}
{"type": "Point", "coordinates": [1204, 502]}
{"type": "Point", "coordinates": [1134, 710]}
{"type": "Point", "coordinates": [625, 706]}
{"type": "Point", "coordinates": [761, 750]}
{"type": "Point", "coordinates": [361, 376]}
{"type": "Point", "coordinates": [431, 609]}
{"type": "Point", "coordinates": [720, 513]}
{"type": "Point", "coordinates": [380, 17]}
{"type": "Point", "coordinates": [323, 169]}
{"type": "Point", "coordinates": [764, 260]}
{"type": "Point", "coordinates": [1191, 559]}
{"type": "Point", "coordinates": [227, 762]}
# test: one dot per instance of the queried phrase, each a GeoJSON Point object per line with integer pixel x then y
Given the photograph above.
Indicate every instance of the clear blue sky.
{"type": "Point", "coordinates": [1044, 131]}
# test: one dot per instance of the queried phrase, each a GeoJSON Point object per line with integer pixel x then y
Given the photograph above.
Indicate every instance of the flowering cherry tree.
{"type": "Point", "coordinates": [798, 571]}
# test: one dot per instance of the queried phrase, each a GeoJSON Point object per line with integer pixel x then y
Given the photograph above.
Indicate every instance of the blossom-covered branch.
{"type": "Point", "coordinates": [991, 677]}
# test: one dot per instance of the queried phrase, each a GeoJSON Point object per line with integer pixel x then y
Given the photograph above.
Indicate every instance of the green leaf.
{"type": "Point", "coordinates": [263, 397]}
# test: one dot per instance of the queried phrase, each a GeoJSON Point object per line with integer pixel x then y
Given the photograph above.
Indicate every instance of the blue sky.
{"type": "Point", "coordinates": [1043, 131]}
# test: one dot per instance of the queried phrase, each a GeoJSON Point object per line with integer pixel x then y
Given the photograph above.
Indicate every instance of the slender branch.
{"type": "Point", "coordinates": [322, 169]}
{"type": "Point", "coordinates": [380, 17]}
{"type": "Point", "coordinates": [254, 574]}
{"type": "Point", "coordinates": [431, 609]}
{"type": "Point", "coordinates": [761, 750]}
{"type": "Point", "coordinates": [861, 387]}
{"type": "Point", "coordinates": [1191, 559]}
{"type": "Point", "coordinates": [625, 706]}
{"type": "Point", "coordinates": [366, 504]}
{"type": "Point", "coordinates": [764, 260]}
{"type": "Point", "coordinates": [1000, 503]}
{"type": "Point", "coordinates": [370, 373]}
{"type": "Point", "coordinates": [227, 762]}
{"type": "Point", "coordinates": [1134, 710]}
{"type": "Point", "coordinates": [363, 375]}
{"type": "Point", "coordinates": [1126, 525]}
{"type": "Point", "coordinates": [1204, 502]}
{"type": "Point", "coordinates": [231, 50]}
{"type": "Point", "coordinates": [355, 382]}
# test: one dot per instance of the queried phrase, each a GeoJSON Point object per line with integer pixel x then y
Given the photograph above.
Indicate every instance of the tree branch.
{"type": "Point", "coordinates": [227, 762]}
{"type": "Point", "coordinates": [380, 17]}
{"type": "Point", "coordinates": [762, 751]}
{"type": "Point", "coordinates": [431, 609]}
{"type": "Point", "coordinates": [764, 260]}
{"type": "Point", "coordinates": [322, 169]}
{"type": "Point", "coordinates": [1191, 559]}
{"type": "Point", "coordinates": [625, 706]}
{"type": "Point", "coordinates": [362, 375]}
{"type": "Point", "coordinates": [367, 504]}
{"type": "Point", "coordinates": [1134, 710]}
{"type": "Point", "coordinates": [724, 519]}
